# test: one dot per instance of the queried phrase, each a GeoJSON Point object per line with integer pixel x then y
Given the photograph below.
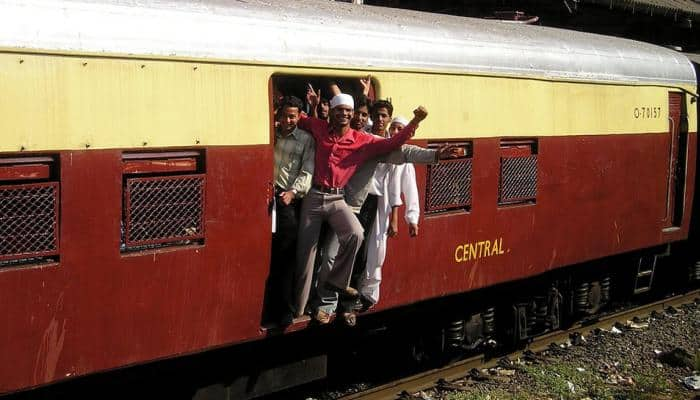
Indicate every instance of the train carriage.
{"type": "Point", "coordinates": [136, 163]}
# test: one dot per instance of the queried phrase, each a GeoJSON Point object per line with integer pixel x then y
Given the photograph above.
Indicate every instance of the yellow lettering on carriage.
{"type": "Point", "coordinates": [480, 249]}
{"type": "Point", "coordinates": [472, 251]}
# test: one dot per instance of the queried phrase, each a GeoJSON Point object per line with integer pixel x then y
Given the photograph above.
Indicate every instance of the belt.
{"type": "Point", "coordinates": [328, 189]}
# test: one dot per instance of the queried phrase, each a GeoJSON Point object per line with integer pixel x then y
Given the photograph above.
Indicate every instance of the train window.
{"type": "Point", "coordinates": [449, 183]}
{"type": "Point", "coordinates": [29, 196]}
{"type": "Point", "coordinates": [518, 175]}
{"type": "Point", "coordinates": [163, 200]}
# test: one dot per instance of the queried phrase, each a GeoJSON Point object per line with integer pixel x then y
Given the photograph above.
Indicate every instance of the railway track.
{"type": "Point", "coordinates": [428, 379]}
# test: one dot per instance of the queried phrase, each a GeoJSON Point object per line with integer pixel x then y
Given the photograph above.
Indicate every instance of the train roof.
{"type": "Point", "coordinates": [329, 33]}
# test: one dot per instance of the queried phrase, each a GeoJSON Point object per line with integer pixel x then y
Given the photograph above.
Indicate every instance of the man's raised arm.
{"type": "Point", "coordinates": [379, 145]}
{"type": "Point", "coordinates": [311, 124]}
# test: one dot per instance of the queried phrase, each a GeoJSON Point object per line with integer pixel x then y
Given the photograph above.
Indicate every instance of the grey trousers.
{"type": "Point", "coordinates": [327, 300]}
{"type": "Point", "coordinates": [317, 208]}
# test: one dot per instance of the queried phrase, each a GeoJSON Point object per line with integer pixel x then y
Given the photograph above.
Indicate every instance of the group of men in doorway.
{"type": "Point", "coordinates": [337, 168]}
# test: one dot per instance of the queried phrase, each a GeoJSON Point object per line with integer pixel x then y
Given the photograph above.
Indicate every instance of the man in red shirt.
{"type": "Point", "coordinates": [340, 150]}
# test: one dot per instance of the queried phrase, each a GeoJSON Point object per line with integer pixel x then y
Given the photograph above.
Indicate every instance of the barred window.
{"type": "Point", "coordinates": [29, 196]}
{"type": "Point", "coordinates": [449, 183]}
{"type": "Point", "coordinates": [518, 175]}
{"type": "Point", "coordinates": [163, 202]}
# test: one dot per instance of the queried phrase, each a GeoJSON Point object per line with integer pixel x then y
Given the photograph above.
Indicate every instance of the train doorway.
{"type": "Point", "coordinates": [678, 129]}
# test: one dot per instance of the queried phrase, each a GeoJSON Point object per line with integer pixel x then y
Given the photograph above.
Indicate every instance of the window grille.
{"type": "Point", "coordinates": [518, 175]}
{"type": "Point", "coordinates": [449, 183]}
{"type": "Point", "coordinates": [29, 211]}
{"type": "Point", "coordinates": [163, 200]}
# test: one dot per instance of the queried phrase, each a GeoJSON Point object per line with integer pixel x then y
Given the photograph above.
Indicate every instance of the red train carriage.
{"type": "Point", "coordinates": [136, 161]}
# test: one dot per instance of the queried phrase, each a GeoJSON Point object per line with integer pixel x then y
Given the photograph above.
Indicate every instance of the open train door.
{"type": "Point", "coordinates": [678, 130]}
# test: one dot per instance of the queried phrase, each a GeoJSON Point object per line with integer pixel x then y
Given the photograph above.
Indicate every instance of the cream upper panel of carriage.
{"type": "Point", "coordinates": [478, 106]}
{"type": "Point", "coordinates": [325, 33]}
{"type": "Point", "coordinates": [53, 102]}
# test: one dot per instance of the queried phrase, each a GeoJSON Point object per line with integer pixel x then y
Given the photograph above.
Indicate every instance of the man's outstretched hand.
{"type": "Point", "coordinates": [450, 151]}
{"type": "Point", "coordinates": [419, 114]}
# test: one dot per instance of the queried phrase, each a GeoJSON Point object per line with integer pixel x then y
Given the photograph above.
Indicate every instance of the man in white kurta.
{"type": "Point", "coordinates": [388, 183]}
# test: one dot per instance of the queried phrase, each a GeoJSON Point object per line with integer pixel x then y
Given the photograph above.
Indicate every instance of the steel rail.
{"type": "Point", "coordinates": [460, 369]}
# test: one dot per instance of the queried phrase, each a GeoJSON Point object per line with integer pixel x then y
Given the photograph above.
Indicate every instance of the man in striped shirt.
{"type": "Point", "coordinates": [294, 169]}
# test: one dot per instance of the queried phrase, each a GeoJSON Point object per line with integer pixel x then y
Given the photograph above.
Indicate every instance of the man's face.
{"type": "Point", "coordinates": [288, 118]}
{"type": "Point", "coordinates": [395, 128]}
{"type": "Point", "coordinates": [341, 115]}
{"type": "Point", "coordinates": [380, 119]}
{"type": "Point", "coordinates": [323, 109]}
{"type": "Point", "coordinates": [359, 119]}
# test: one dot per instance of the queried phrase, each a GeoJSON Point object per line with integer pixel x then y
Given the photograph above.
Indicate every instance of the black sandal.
{"type": "Point", "coordinates": [366, 303]}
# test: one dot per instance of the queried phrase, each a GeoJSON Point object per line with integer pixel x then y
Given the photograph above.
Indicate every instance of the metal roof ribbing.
{"type": "Point", "coordinates": [326, 33]}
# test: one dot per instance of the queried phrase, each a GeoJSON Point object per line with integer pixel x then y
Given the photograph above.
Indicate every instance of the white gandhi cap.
{"type": "Point", "coordinates": [342, 100]}
{"type": "Point", "coordinates": [400, 120]}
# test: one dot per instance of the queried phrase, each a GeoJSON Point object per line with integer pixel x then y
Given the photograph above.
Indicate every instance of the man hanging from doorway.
{"type": "Point", "coordinates": [340, 151]}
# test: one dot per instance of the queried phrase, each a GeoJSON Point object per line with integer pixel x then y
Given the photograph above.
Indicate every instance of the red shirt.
{"type": "Point", "coordinates": [338, 157]}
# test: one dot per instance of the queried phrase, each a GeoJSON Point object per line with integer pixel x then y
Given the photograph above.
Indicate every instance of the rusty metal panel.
{"type": "Point", "coordinates": [28, 221]}
{"type": "Point", "coordinates": [159, 166]}
{"type": "Point", "coordinates": [449, 185]}
{"type": "Point", "coordinates": [518, 179]}
{"type": "Point", "coordinates": [674, 103]}
{"type": "Point", "coordinates": [24, 172]}
{"type": "Point", "coordinates": [162, 210]}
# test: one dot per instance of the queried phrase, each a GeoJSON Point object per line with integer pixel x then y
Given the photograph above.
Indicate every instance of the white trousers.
{"type": "Point", "coordinates": [376, 251]}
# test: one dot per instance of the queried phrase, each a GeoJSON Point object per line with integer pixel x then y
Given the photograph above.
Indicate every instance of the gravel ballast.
{"type": "Point", "coordinates": [650, 358]}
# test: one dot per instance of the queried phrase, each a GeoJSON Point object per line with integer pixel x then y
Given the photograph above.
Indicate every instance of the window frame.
{"type": "Point", "coordinates": [432, 209]}
{"type": "Point", "coordinates": [525, 149]}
